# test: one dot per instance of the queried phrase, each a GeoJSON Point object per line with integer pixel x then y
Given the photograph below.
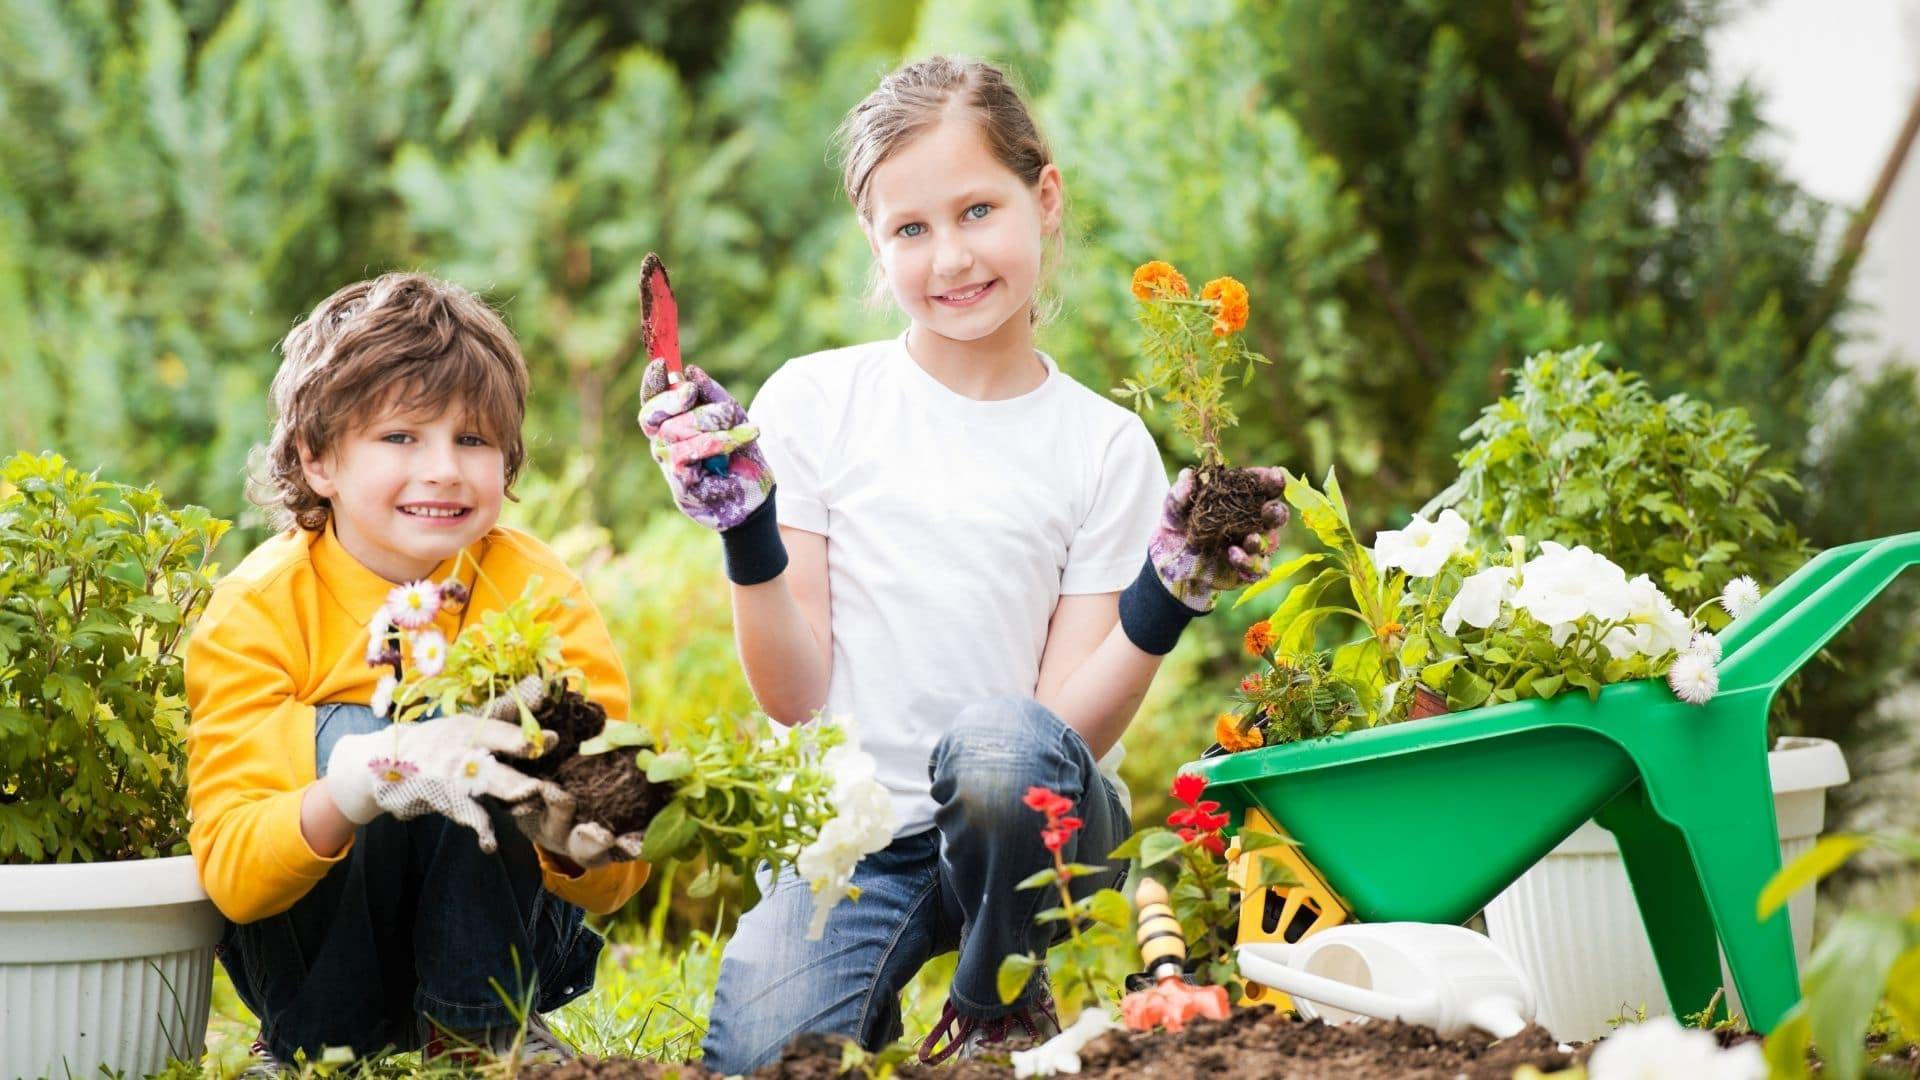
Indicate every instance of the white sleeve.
{"type": "Point", "coordinates": [1107, 551]}
{"type": "Point", "coordinates": [783, 413]}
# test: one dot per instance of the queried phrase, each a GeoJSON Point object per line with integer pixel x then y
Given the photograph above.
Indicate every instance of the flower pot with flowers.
{"type": "Point", "coordinates": [1192, 348]}
{"type": "Point", "coordinates": [106, 937]}
{"type": "Point", "coordinates": [808, 803]}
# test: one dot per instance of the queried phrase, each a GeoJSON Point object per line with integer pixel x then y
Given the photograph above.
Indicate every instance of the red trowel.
{"type": "Point", "coordinates": [661, 319]}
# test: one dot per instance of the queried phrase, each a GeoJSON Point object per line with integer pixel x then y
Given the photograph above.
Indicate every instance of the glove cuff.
{"type": "Point", "coordinates": [350, 783]}
{"type": "Point", "coordinates": [754, 552]}
{"type": "Point", "coordinates": [1152, 617]}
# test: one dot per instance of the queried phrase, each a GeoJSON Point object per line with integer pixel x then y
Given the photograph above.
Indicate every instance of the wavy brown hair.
{"type": "Point", "coordinates": [403, 340]}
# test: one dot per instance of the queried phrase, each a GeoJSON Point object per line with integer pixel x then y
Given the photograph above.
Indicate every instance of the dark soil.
{"type": "Point", "coordinates": [608, 788]}
{"type": "Point", "coordinates": [1226, 509]}
{"type": "Point", "coordinates": [1251, 1043]}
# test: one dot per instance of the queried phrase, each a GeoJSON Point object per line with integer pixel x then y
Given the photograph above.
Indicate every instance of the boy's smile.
{"type": "Point", "coordinates": [408, 492]}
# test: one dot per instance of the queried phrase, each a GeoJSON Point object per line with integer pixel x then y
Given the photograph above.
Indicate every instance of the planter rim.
{"type": "Point", "coordinates": [101, 886]}
{"type": "Point", "coordinates": [1803, 764]}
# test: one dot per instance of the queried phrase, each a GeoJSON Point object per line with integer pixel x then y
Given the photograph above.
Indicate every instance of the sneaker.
{"type": "Point", "coordinates": [536, 1045]}
{"type": "Point", "coordinates": [969, 1036]}
{"type": "Point", "coordinates": [264, 1065]}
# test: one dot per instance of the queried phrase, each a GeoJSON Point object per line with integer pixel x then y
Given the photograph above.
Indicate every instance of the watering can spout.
{"type": "Point", "coordinates": [1498, 1017]}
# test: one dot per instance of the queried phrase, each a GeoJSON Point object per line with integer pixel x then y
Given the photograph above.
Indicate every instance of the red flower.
{"type": "Point", "coordinates": [1250, 684]}
{"type": "Point", "coordinates": [1047, 802]}
{"type": "Point", "coordinates": [1209, 840]}
{"type": "Point", "coordinates": [1188, 786]}
{"type": "Point", "coordinates": [1056, 834]}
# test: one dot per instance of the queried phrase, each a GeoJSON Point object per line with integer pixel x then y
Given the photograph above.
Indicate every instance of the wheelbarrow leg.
{"type": "Point", "coordinates": [1672, 905]}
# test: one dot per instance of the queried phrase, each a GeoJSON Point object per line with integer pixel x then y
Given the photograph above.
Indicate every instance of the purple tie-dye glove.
{"type": "Point", "coordinates": [1193, 580]}
{"type": "Point", "coordinates": [705, 445]}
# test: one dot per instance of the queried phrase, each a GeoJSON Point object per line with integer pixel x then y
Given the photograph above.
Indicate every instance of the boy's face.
{"type": "Point", "coordinates": [410, 491]}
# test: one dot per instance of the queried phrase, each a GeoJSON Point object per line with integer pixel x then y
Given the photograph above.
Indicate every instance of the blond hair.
{"type": "Point", "coordinates": [915, 98]}
{"type": "Point", "coordinates": [402, 340]}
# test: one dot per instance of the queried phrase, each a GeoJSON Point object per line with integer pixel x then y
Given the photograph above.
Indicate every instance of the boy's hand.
{"type": "Point", "coordinates": [691, 422]}
{"type": "Point", "coordinates": [1194, 580]}
{"type": "Point", "coordinates": [547, 818]}
{"type": "Point", "coordinates": [439, 766]}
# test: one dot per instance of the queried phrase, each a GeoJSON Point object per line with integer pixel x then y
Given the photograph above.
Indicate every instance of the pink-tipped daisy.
{"type": "Point", "coordinates": [413, 605]}
{"type": "Point", "coordinates": [392, 770]}
{"type": "Point", "coordinates": [430, 653]}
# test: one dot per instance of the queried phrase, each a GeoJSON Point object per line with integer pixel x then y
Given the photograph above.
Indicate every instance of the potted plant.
{"type": "Point", "coordinates": [106, 937]}
{"type": "Point", "coordinates": [1192, 347]}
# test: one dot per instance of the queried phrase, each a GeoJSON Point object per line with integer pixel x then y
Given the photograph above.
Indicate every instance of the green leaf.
{"type": "Point", "coordinates": [1014, 972]}
{"type": "Point", "coordinates": [1903, 989]}
{"type": "Point", "coordinates": [668, 767]}
{"type": "Point", "coordinates": [707, 883]}
{"type": "Point", "coordinates": [1465, 690]}
{"type": "Point", "coordinates": [1546, 686]}
{"type": "Point", "coordinates": [1277, 575]}
{"type": "Point", "coordinates": [1039, 880]}
{"type": "Point", "coordinates": [1252, 840]}
{"type": "Point", "coordinates": [1109, 907]}
{"type": "Point", "coordinates": [1844, 982]}
{"type": "Point", "coordinates": [1787, 1045]}
{"type": "Point", "coordinates": [1297, 620]}
{"type": "Point", "coordinates": [1828, 855]}
{"type": "Point", "coordinates": [1159, 847]}
{"type": "Point", "coordinates": [669, 831]}
{"type": "Point", "coordinates": [617, 735]}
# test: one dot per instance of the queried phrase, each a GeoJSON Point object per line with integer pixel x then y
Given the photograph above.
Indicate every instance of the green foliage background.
{"type": "Point", "coordinates": [1418, 193]}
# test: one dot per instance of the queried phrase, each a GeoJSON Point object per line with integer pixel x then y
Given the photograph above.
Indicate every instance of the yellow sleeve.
{"type": "Point", "coordinates": [243, 784]}
{"type": "Point", "coordinates": [587, 646]}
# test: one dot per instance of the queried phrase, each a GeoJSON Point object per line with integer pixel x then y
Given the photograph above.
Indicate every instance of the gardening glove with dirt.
{"type": "Point", "coordinates": [440, 766]}
{"type": "Point", "coordinates": [1179, 583]}
{"type": "Point", "coordinates": [547, 817]}
{"type": "Point", "coordinates": [711, 456]}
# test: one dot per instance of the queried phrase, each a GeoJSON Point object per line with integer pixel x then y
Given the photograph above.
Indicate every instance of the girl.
{"type": "Point", "coordinates": [956, 565]}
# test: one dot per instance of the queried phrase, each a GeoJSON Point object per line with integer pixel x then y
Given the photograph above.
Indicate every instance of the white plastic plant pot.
{"type": "Point", "coordinates": [1572, 925]}
{"type": "Point", "coordinates": [103, 965]}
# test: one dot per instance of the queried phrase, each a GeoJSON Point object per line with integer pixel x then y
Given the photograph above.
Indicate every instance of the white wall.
{"type": "Point", "coordinates": [1838, 77]}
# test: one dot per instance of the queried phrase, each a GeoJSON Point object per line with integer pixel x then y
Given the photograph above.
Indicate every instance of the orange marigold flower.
{"type": "Point", "coordinates": [1259, 638]}
{"type": "Point", "coordinates": [1226, 732]}
{"type": "Point", "coordinates": [1231, 314]}
{"type": "Point", "coordinates": [1158, 279]}
{"type": "Point", "coordinates": [1388, 629]}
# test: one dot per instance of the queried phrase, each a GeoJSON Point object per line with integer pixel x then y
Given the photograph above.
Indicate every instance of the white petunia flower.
{"type": "Point", "coordinates": [1694, 678]}
{"type": "Point", "coordinates": [1660, 1049]}
{"type": "Point", "coordinates": [1740, 597]}
{"type": "Point", "coordinates": [383, 695]}
{"type": "Point", "coordinates": [1706, 644]}
{"type": "Point", "coordinates": [1423, 547]}
{"type": "Point", "coordinates": [1562, 585]}
{"type": "Point", "coordinates": [430, 653]}
{"type": "Point", "coordinates": [862, 824]}
{"type": "Point", "coordinates": [1655, 627]}
{"type": "Point", "coordinates": [413, 605]}
{"type": "Point", "coordinates": [1478, 602]}
{"type": "Point", "coordinates": [1061, 1054]}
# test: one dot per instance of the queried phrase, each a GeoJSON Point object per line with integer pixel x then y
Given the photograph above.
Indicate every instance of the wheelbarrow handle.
{"type": "Point", "coordinates": [1798, 618]}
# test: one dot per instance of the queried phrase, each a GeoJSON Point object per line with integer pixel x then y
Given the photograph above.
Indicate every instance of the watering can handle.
{"type": "Point", "coordinates": [1264, 962]}
{"type": "Point", "coordinates": [1797, 619]}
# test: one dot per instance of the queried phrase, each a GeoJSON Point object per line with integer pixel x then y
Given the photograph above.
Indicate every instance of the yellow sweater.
{"type": "Point", "coordinates": [287, 631]}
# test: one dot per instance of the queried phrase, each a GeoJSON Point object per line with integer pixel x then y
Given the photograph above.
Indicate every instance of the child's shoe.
{"type": "Point", "coordinates": [969, 1036]}
{"type": "Point", "coordinates": [537, 1045]}
{"type": "Point", "coordinates": [264, 1065]}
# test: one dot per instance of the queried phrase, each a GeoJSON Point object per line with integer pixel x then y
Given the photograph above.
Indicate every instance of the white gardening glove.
{"type": "Point", "coordinates": [546, 813]}
{"type": "Point", "coordinates": [439, 766]}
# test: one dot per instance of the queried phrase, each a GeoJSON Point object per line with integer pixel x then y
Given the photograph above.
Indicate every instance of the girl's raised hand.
{"type": "Point", "coordinates": [1194, 579]}
{"type": "Point", "coordinates": [706, 447]}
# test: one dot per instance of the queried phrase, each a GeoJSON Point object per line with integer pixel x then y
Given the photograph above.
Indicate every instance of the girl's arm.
{"type": "Point", "coordinates": [783, 632]}
{"type": "Point", "coordinates": [1091, 675]}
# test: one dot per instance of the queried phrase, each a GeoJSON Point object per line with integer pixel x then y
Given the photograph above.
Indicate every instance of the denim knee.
{"type": "Point", "coordinates": [999, 748]}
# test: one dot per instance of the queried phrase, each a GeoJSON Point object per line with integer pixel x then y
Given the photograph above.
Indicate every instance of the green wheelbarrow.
{"type": "Point", "coordinates": [1427, 821]}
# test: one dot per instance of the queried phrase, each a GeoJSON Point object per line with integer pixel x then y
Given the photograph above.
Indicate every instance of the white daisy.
{"type": "Point", "coordinates": [413, 605]}
{"type": "Point", "coordinates": [1694, 678]}
{"type": "Point", "coordinates": [430, 653]}
{"type": "Point", "coordinates": [1740, 597]}
{"type": "Point", "coordinates": [383, 695]}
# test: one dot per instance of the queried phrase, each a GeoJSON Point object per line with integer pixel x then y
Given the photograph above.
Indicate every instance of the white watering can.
{"type": "Point", "coordinates": [1445, 977]}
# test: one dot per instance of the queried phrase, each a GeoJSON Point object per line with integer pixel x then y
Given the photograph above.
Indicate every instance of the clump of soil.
{"type": "Point", "coordinates": [1226, 509]}
{"type": "Point", "coordinates": [607, 788]}
{"type": "Point", "coordinates": [1251, 1043]}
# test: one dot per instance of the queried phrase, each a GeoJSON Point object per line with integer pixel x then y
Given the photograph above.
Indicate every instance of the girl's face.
{"type": "Point", "coordinates": [958, 234]}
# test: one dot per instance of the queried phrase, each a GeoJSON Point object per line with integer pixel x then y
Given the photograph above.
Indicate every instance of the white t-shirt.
{"type": "Point", "coordinates": [954, 526]}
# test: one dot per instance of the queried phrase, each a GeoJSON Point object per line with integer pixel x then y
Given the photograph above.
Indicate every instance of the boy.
{"type": "Point", "coordinates": [398, 409]}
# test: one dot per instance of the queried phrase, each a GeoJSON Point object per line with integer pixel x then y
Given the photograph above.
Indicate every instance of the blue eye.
{"type": "Point", "coordinates": [911, 230]}
{"type": "Point", "coordinates": [396, 437]}
{"type": "Point", "coordinates": [473, 440]}
{"type": "Point", "coordinates": [978, 211]}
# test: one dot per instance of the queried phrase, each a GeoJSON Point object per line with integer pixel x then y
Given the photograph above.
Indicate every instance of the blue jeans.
{"type": "Point", "coordinates": [948, 887]}
{"type": "Point", "coordinates": [416, 924]}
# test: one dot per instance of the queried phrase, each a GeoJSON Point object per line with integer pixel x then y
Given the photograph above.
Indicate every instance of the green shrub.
{"type": "Point", "coordinates": [99, 583]}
